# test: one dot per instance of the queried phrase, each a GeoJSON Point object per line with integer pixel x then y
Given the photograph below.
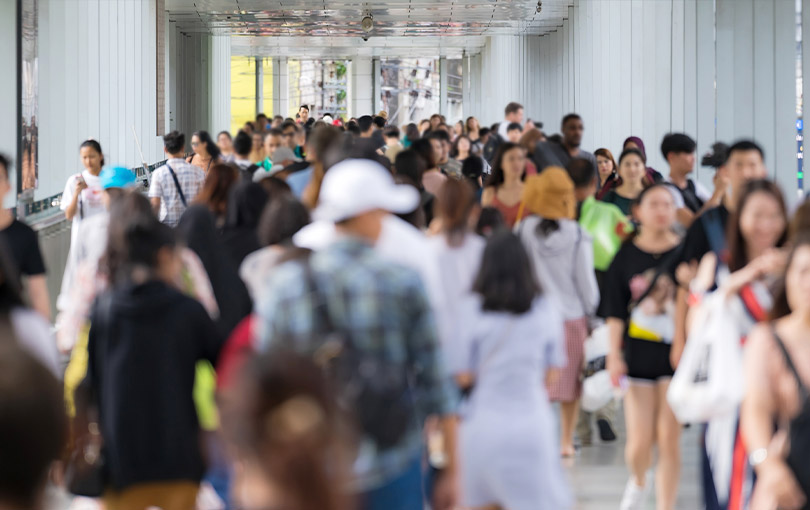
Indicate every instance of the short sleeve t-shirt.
{"type": "Point", "coordinates": [90, 202]}
{"type": "Point", "coordinates": [642, 294]}
{"type": "Point", "coordinates": [648, 312]}
{"type": "Point", "coordinates": [24, 245]}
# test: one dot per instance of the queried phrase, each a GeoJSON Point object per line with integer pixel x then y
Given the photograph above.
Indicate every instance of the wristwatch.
{"type": "Point", "coordinates": [757, 457]}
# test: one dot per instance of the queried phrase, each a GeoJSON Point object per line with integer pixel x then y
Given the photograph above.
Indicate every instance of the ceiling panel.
{"type": "Point", "coordinates": [325, 27]}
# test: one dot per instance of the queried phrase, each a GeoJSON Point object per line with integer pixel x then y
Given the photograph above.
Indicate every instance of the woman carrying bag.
{"type": "Point", "coordinates": [561, 253]}
{"type": "Point", "coordinates": [777, 368]}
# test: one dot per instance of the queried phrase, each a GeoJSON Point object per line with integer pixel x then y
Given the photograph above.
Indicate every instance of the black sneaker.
{"type": "Point", "coordinates": [605, 430]}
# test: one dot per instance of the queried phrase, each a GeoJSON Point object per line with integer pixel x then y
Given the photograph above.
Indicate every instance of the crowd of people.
{"type": "Point", "coordinates": [319, 315]}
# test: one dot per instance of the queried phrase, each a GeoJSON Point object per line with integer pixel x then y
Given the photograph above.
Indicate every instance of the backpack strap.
{"type": "Point", "coordinates": [177, 185]}
{"type": "Point", "coordinates": [803, 393]}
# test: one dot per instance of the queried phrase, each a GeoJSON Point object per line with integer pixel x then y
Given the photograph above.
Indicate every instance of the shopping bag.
{"type": "Point", "coordinates": [709, 382]}
{"type": "Point", "coordinates": [597, 390]}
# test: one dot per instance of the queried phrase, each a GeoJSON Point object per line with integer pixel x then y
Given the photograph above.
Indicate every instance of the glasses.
{"type": "Point", "coordinates": [195, 144]}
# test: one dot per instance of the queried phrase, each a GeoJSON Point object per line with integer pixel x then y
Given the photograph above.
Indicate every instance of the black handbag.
{"type": "Point", "coordinates": [799, 430]}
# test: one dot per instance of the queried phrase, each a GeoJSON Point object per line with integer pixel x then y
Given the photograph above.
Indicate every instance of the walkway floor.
{"type": "Point", "coordinates": [598, 475]}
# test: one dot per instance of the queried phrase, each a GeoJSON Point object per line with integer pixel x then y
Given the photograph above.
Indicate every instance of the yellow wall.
{"type": "Point", "coordinates": [243, 90]}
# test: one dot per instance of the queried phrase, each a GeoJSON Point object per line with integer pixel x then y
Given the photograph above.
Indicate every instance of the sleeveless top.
{"type": "Point", "coordinates": [510, 212]}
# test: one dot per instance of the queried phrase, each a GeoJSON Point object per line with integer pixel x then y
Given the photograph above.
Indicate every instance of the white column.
{"type": "Point", "coordinates": [466, 100]}
{"type": "Point", "coordinates": [443, 71]}
{"type": "Point", "coordinates": [361, 87]}
{"type": "Point", "coordinates": [377, 83]}
{"type": "Point", "coordinates": [220, 84]}
{"type": "Point", "coordinates": [8, 91]}
{"type": "Point", "coordinates": [281, 87]}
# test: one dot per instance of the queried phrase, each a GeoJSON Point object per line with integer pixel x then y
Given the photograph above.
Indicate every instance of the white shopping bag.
{"type": "Point", "coordinates": [709, 380]}
{"type": "Point", "coordinates": [597, 391]}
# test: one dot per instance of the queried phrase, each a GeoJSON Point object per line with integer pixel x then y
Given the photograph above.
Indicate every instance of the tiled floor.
{"type": "Point", "coordinates": [598, 475]}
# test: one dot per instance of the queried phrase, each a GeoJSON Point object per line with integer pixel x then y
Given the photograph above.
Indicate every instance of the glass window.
{"type": "Point", "coordinates": [409, 89]}
{"type": "Point", "coordinates": [320, 84]}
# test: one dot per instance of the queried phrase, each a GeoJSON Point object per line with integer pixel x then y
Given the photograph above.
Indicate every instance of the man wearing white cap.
{"type": "Point", "coordinates": [381, 310]}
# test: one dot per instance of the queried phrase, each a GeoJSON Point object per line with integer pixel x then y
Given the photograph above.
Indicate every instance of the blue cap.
{"type": "Point", "coordinates": [117, 177]}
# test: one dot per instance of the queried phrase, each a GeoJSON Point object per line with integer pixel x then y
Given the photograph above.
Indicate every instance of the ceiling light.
{"type": "Point", "coordinates": [367, 23]}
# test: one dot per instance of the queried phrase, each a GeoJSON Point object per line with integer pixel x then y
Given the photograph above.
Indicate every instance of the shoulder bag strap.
{"type": "Point", "coordinates": [574, 274]}
{"type": "Point", "coordinates": [803, 393]}
{"type": "Point", "coordinates": [714, 232]}
{"type": "Point", "coordinates": [177, 184]}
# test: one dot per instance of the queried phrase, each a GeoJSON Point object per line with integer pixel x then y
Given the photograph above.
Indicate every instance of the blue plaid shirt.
{"type": "Point", "coordinates": [384, 308]}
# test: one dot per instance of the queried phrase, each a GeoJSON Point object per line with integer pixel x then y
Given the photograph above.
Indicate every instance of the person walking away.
{"type": "Point", "coordinates": [206, 152]}
{"type": "Point", "coordinates": [639, 298]}
{"type": "Point", "coordinates": [34, 436]}
{"type": "Point", "coordinates": [608, 227]}
{"type": "Point", "coordinates": [509, 344]}
{"type": "Point", "coordinates": [758, 231]}
{"type": "Point", "coordinates": [633, 181]}
{"type": "Point", "coordinates": [774, 410]}
{"type": "Point", "coordinates": [81, 200]}
{"type": "Point", "coordinates": [242, 145]}
{"type": "Point", "coordinates": [144, 326]}
{"type": "Point", "coordinates": [245, 205]}
{"type": "Point", "coordinates": [287, 465]}
{"type": "Point", "coordinates": [25, 252]}
{"type": "Point", "coordinates": [216, 190]}
{"type": "Point", "coordinates": [561, 253]}
{"type": "Point", "coordinates": [457, 251]}
{"type": "Point", "coordinates": [504, 187]}
{"type": "Point", "coordinates": [551, 153]}
{"type": "Point", "coordinates": [176, 184]}
{"type": "Point", "coordinates": [362, 295]}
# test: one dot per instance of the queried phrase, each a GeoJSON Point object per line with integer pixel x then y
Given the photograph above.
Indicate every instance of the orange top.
{"type": "Point", "coordinates": [510, 212]}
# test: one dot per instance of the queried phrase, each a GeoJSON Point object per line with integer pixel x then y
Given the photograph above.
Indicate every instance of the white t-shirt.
{"type": "Point", "coordinates": [90, 204]}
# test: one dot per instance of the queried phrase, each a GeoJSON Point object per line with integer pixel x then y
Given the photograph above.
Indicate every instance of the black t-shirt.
{"type": "Point", "coordinates": [24, 246]}
{"type": "Point", "coordinates": [696, 243]}
{"type": "Point", "coordinates": [629, 278]}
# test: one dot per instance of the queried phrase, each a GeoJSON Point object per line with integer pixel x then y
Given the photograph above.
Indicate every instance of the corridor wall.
{"type": "Point", "coordinates": [717, 70]}
{"type": "Point", "coordinates": [97, 75]}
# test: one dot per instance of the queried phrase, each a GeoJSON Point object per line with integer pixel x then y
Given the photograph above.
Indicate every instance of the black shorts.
{"type": "Point", "coordinates": [646, 360]}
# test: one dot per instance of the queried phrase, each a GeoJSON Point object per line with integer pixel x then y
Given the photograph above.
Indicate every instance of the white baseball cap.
{"type": "Point", "coordinates": [355, 186]}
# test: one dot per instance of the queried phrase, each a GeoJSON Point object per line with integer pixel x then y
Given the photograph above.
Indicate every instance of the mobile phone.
{"type": "Point", "coordinates": [81, 179]}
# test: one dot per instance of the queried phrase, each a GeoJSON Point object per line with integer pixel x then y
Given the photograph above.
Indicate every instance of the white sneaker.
{"type": "Point", "coordinates": [634, 496]}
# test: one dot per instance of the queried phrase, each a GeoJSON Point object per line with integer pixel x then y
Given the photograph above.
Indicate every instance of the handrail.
{"type": "Point", "coordinates": [43, 213]}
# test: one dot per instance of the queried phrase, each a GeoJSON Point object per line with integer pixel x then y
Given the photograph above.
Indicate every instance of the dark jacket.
{"type": "Point", "coordinates": [144, 343]}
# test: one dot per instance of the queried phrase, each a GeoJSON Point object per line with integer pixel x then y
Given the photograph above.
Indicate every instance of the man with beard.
{"type": "Point", "coordinates": [550, 153]}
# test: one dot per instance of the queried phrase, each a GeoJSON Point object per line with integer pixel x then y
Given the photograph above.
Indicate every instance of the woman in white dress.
{"type": "Point", "coordinates": [510, 341]}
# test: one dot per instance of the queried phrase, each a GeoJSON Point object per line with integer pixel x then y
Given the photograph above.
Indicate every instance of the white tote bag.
{"type": "Point", "coordinates": [597, 390]}
{"type": "Point", "coordinates": [709, 380]}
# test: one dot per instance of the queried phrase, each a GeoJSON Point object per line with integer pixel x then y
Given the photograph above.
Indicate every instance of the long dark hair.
{"type": "Point", "coordinates": [497, 177]}
{"type": "Point", "coordinates": [646, 191]}
{"type": "Point", "coordinates": [454, 202]}
{"type": "Point", "coordinates": [737, 246]}
{"type": "Point", "coordinates": [424, 148]}
{"type": "Point", "coordinates": [632, 152]}
{"type": "Point", "coordinates": [412, 132]}
{"type": "Point", "coordinates": [134, 238]}
{"type": "Point", "coordinates": [506, 281]}
{"type": "Point", "coordinates": [781, 306]}
{"type": "Point", "coordinates": [210, 145]}
{"type": "Point", "coordinates": [410, 164]}
{"type": "Point", "coordinates": [454, 149]}
{"type": "Point", "coordinates": [217, 187]}
{"type": "Point", "coordinates": [281, 413]}
{"type": "Point", "coordinates": [95, 146]}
